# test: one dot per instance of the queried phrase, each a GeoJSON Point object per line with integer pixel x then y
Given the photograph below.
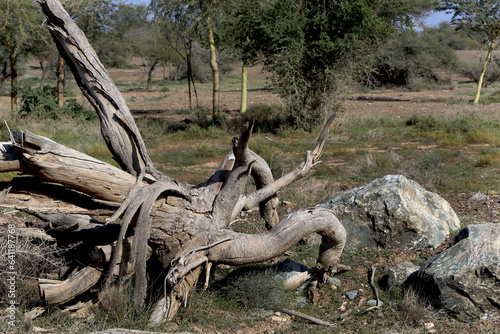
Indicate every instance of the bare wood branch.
{"type": "Point", "coordinates": [117, 124]}
{"type": "Point", "coordinates": [374, 287]}
{"type": "Point", "coordinates": [63, 291]}
{"type": "Point", "coordinates": [253, 248]}
{"type": "Point", "coordinates": [312, 158]}
{"type": "Point", "coordinates": [54, 162]}
{"type": "Point", "coordinates": [308, 318]}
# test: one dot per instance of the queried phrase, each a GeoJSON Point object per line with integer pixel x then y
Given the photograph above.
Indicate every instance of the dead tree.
{"type": "Point", "coordinates": [157, 229]}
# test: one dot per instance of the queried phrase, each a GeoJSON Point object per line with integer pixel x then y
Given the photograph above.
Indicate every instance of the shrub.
{"type": "Point", "coordinates": [267, 118]}
{"type": "Point", "coordinates": [254, 287]}
{"type": "Point", "coordinates": [38, 103]}
{"type": "Point", "coordinates": [41, 104]}
{"type": "Point", "coordinates": [410, 59]}
{"type": "Point", "coordinates": [488, 158]}
{"type": "Point", "coordinates": [472, 70]}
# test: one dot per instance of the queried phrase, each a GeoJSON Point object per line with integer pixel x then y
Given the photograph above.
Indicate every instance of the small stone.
{"type": "Point", "coordinates": [373, 302]}
{"type": "Point", "coordinates": [479, 196]}
{"type": "Point", "coordinates": [351, 294]}
{"type": "Point", "coordinates": [334, 281]}
{"type": "Point", "coordinates": [301, 302]}
{"type": "Point", "coordinates": [278, 319]}
{"type": "Point", "coordinates": [429, 325]}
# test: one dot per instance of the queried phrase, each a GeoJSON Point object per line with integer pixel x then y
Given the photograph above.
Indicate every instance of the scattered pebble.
{"type": "Point", "coordinates": [373, 302]}
{"type": "Point", "coordinates": [351, 294]}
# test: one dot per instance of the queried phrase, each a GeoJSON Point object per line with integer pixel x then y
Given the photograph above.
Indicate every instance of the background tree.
{"type": "Point", "coordinates": [151, 44]}
{"type": "Point", "coordinates": [196, 17]}
{"type": "Point", "coordinates": [116, 43]}
{"type": "Point", "coordinates": [177, 21]}
{"type": "Point", "coordinates": [410, 59]}
{"type": "Point", "coordinates": [19, 21]}
{"type": "Point", "coordinates": [241, 34]}
{"type": "Point", "coordinates": [44, 50]}
{"type": "Point", "coordinates": [312, 47]}
{"type": "Point", "coordinates": [481, 19]}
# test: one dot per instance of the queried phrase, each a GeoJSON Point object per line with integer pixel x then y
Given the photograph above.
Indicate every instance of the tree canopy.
{"type": "Point", "coordinates": [311, 47]}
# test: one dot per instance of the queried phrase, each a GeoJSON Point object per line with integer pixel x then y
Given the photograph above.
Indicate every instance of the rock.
{"type": "Point", "coordinates": [290, 265]}
{"type": "Point", "coordinates": [465, 278]}
{"type": "Point", "coordinates": [394, 212]}
{"type": "Point", "coordinates": [373, 302]}
{"type": "Point", "coordinates": [301, 302]}
{"type": "Point", "coordinates": [479, 197]}
{"type": "Point", "coordinates": [351, 294]}
{"type": "Point", "coordinates": [399, 273]}
{"type": "Point", "coordinates": [334, 281]}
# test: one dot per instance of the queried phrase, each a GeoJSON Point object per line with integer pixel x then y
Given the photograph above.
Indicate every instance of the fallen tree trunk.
{"type": "Point", "coordinates": [153, 228]}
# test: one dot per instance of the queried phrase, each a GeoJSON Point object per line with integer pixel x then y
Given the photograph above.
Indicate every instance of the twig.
{"type": "Point", "coordinates": [372, 284]}
{"type": "Point", "coordinates": [308, 317]}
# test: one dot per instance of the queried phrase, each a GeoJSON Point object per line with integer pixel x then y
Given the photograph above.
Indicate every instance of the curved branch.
{"type": "Point", "coordinates": [312, 158]}
{"type": "Point", "coordinates": [233, 188]}
{"type": "Point", "coordinates": [253, 248]}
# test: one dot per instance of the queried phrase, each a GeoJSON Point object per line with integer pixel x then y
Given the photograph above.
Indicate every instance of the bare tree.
{"type": "Point", "coordinates": [158, 229]}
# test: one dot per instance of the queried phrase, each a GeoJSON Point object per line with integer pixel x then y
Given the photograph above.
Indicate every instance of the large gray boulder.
{"type": "Point", "coordinates": [393, 211]}
{"type": "Point", "coordinates": [465, 278]}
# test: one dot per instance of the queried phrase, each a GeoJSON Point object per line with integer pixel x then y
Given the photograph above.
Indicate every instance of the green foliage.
{"type": "Point", "coordinates": [312, 47]}
{"type": "Point", "coordinates": [411, 58]}
{"type": "Point", "coordinates": [256, 287]}
{"type": "Point", "coordinates": [446, 34]}
{"type": "Point", "coordinates": [489, 158]}
{"type": "Point", "coordinates": [38, 103]}
{"type": "Point", "coordinates": [41, 104]}
{"type": "Point", "coordinates": [265, 118]}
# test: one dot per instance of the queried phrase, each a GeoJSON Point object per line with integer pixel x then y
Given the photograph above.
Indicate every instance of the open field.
{"type": "Point", "coordinates": [435, 137]}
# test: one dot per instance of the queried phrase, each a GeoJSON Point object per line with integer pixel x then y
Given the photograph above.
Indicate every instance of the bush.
{"type": "Point", "coordinates": [41, 104]}
{"type": "Point", "coordinates": [411, 58]}
{"type": "Point", "coordinates": [472, 71]}
{"type": "Point", "coordinates": [256, 288]}
{"type": "Point", "coordinates": [266, 118]}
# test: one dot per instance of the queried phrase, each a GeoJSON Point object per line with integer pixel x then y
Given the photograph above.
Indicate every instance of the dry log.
{"type": "Point", "coordinates": [56, 163]}
{"type": "Point", "coordinates": [59, 292]}
{"type": "Point", "coordinates": [185, 226]}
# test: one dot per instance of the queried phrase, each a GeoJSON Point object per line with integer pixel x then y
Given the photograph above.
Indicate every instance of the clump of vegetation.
{"type": "Point", "coordinates": [266, 118]}
{"type": "Point", "coordinates": [41, 104]}
{"type": "Point", "coordinates": [413, 60]}
{"type": "Point", "coordinates": [33, 259]}
{"type": "Point", "coordinates": [256, 288]}
{"type": "Point", "coordinates": [488, 158]}
{"type": "Point", "coordinates": [472, 71]}
{"type": "Point", "coordinates": [415, 312]}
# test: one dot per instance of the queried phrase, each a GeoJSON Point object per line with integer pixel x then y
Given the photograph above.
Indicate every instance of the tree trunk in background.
{"type": "Point", "coordinates": [13, 82]}
{"type": "Point", "coordinates": [483, 72]}
{"type": "Point", "coordinates": [150, 76]}
{"type": "Point", "coordinates": [60, 81]}
{"type": "Point", "coordinates": [215, 71]}
{"type": "Point", "coordinates": [44, 74]}
{"type": "Point", "coordinates": [244, 79]}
